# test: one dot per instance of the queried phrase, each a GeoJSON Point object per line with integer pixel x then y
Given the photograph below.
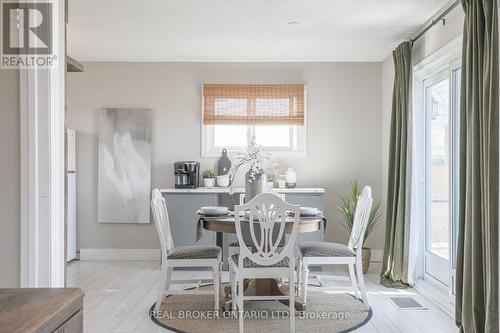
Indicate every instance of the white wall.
{"type": "Point", "coordinates": [344, 129]}
{"type": "Point", "coordinates": [9, 179]}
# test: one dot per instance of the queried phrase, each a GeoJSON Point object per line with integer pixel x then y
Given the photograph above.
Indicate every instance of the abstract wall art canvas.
{"type": "Point", "coordinates": [124, 165]}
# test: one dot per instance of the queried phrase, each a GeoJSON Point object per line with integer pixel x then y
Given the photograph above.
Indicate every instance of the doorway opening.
{"type": "Point", "coordinates": [437, 103]}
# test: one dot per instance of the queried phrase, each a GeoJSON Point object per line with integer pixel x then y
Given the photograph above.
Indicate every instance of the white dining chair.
{"type": "Point", "coordinates": [325, 253]}
{"type": "Point", "coordinates": [233, 246]}
{"type": "Point", "coordinates": [182, 256]}
{"type": "Point", "coordinates": [265, 217]}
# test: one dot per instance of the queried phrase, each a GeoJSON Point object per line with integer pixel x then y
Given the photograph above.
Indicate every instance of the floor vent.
{"type": "Point", "coordinates": [407, 303]}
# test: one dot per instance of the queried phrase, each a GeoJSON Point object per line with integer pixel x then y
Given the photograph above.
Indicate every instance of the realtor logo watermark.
{"type": "Point", "coordinates": [27, 28]}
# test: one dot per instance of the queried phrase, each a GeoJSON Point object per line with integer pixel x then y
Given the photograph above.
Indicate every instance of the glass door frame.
{"type": "Point", "coordinates": [440, 265]}
{"type": "Point", "coordinates": [445, 61]}
{"type": "Point", "coordinates": [455, 69]}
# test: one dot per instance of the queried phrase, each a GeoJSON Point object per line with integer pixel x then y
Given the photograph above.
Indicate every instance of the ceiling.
{"type": "Point", "coordinates": [242, 30]}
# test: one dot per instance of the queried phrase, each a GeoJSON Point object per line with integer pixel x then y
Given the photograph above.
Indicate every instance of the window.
{"type": "Point", "coordinates": [437, 101]}
{"type": "Point", "coordinates": [274, 113]}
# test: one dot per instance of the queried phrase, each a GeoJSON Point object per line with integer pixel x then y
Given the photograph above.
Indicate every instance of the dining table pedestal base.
{"type": "Point", "coordinates": [263, 287]}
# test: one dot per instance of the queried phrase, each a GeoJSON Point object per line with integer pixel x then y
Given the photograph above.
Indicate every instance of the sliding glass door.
{"type": "Point", "coordinates": [437, 221]}
{"type": "Point", "coordinates": [441, 102]}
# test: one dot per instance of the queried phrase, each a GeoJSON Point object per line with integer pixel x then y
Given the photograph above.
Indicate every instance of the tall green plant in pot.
{"type": "Point", "coordinates": [348, 208]}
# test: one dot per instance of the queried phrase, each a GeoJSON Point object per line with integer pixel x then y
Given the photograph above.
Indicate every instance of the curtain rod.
{"type": "Point", "coordinates": [436, 20]}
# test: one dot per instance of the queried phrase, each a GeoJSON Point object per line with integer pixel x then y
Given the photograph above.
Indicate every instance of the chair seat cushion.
{"type": "Point", "coordinates": [195, 252]}
{"type": "Point", "coordinates": [247, 263]}
{"type": "Point", "coordinates": [325, 249]}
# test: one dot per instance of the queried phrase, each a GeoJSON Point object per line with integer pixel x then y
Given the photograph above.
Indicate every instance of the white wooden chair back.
{"type": "Point", "coordinates": [162, 223]}
{"type": "Point", "coordinates": [267, 213]}
{"type": "Point", "coordinates": [361, 216]}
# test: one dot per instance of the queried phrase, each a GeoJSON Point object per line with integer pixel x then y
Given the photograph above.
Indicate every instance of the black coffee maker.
{"type": "Point", "coordinates": [187, 174]}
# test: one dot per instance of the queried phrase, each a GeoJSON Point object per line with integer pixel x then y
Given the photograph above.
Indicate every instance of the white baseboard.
{"type": "Point", "coordinates": [119, 254]}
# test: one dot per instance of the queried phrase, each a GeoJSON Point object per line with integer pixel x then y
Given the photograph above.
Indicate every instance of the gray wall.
{"type": "Point", "coordinates": [9, 178]}
{"type": "Point", "coordinates": [344, 129]}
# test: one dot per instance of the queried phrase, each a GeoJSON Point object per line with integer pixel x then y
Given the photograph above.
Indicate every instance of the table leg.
{"type": "Point", "coordinates": [219, 239]}
{"type": "Point", "coordinates": [283, 289]}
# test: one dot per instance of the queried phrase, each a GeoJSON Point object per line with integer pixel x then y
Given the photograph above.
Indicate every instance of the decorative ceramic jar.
{"type": "Point", "coordinates": [291, 178]}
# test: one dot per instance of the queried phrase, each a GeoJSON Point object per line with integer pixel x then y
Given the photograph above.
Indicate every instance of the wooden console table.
{"type": "Point", "coordinates": [24, 310]}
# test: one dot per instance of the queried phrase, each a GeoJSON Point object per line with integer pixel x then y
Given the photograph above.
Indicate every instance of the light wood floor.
{"type": "Point", "coordinates": [118, 295]}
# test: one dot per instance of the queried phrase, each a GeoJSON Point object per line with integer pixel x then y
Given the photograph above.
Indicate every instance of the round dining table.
{"type": "Point", "coordinates": [260, 287]}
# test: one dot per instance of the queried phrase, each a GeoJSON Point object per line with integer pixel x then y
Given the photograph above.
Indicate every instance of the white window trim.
{"type": "Point", "coordinates": [445, 58]}
{"type": "Point", "coordinates": [208, 149]}
{"type": "Point", "coordinates": [438, 60]}
{"type": "Point", "coordinates": [42, 201]}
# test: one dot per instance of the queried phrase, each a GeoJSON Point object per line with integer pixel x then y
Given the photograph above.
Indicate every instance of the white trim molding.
{"type": "Point", "coordinates": [120, 254]}
{"type": "Point", "coordinates": [439, 59]}
{"type": "Point", "coordinates": [42, 243]}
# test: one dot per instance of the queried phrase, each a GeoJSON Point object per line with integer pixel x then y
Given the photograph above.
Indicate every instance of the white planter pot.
{"type": "Point", "coordinates": [209, 182]}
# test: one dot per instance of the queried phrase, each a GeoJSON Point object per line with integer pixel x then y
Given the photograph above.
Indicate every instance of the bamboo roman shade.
{"type": "Point", "coordinates": [253, 104]}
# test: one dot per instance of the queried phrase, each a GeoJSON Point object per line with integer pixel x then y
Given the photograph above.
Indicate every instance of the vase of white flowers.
{"type": "Point", "coordinates": [255, 183]}
{"type": "Point", "coordinates": [255, 178]}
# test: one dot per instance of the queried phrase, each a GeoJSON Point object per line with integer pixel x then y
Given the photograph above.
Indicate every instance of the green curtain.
{"type": "Point", "coordinates": [476, 306]}
{"type": "Point", "coordinates": [397, 228]}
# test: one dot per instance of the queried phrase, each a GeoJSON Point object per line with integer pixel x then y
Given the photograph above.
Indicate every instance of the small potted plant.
{"type": "Point", "coordinates": [208, 178]}
{"type": "Point", "coordinates": [270, 180]}
{"type": "Point", "coordinates": [348, 208]}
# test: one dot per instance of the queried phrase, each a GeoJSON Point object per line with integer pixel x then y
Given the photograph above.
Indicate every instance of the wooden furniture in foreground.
{"type": "Point", "coordinates": [25, 310]}
{"type": "Point", "coordinates": [262, 287]}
